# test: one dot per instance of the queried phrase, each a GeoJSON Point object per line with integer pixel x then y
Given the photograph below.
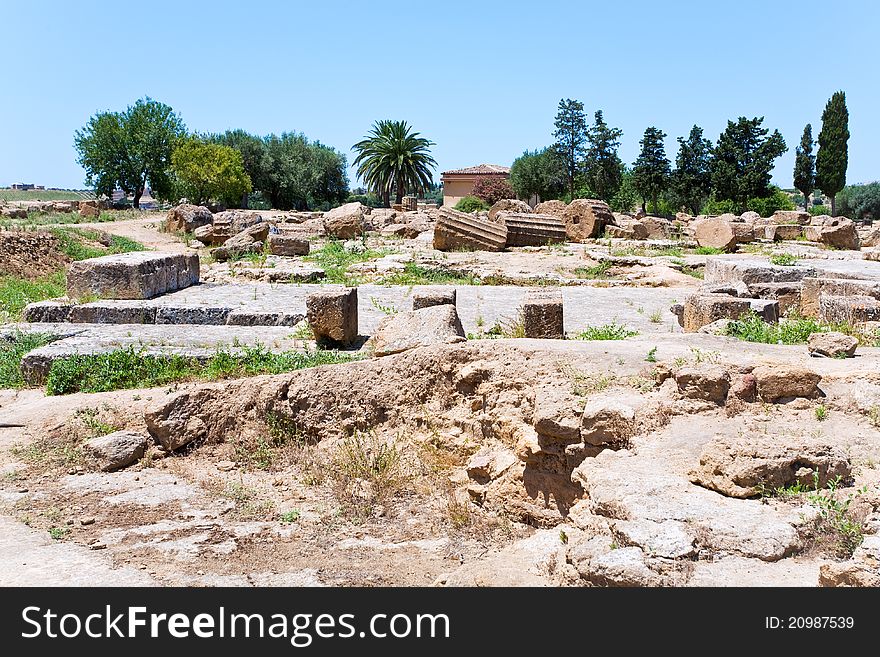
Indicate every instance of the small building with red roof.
{"type": "Point", "coordinates": [459, 183]}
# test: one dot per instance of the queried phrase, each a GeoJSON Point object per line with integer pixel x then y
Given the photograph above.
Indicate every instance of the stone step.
{"type": "Point", "coordinates": [814, 288]}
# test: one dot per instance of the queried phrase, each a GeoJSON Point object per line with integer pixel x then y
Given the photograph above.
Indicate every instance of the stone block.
{"type": "Point", "coordinates": [542, 315]}
{"type": "Point", "coordinates": [333, 315]}
{"type": "Point", "coordinates": [287, 245]}
{"type": "Point", "coordinates": [136, 275]}
{"type": "Point", "coordinates": [433, 296]}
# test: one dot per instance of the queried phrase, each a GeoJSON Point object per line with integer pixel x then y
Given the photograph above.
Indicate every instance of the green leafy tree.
{"type": "Point", "coordinates": [209, 172]}
{"type": "Point", "coordinates": [805, 165]}
{"type": "Point", "coordinates": [394, 158]}
{"type": "Point", "coordinates": [626, 197]}
{"type": "Point", "coordinates": [602, 165]}
{"type": "Point", "coordinates": [303, 174]}
{"type": "Point", "coordinates": [130, 149]}
{"type": "Point", "coordinates": [651, 169]}
{"type": "Point", "coordinates": [833, 155]}
{"type": "Point", "coordinates": [860, 202]}
{"type": "Point", "coordinates": [691, 179]}
{"type": "Point", "coordinates": [254, 156]}
{"type": "Point", "coordinates": [743, 160]}
{"type": "Point", "coordinates": [571, 139]}
{"type": "Point", "coordinates": [538, 173]}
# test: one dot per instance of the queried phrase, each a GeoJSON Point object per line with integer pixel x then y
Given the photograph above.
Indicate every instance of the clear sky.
{"type": "Point", "coordinates": [480, 78]}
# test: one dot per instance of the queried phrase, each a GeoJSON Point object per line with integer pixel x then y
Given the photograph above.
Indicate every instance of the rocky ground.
{"type": "Point", "coordinates": [663, 459]}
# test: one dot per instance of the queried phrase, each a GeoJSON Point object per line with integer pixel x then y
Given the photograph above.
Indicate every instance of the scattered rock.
{"type": "Point", "coordinates": [741, 466]}
{"type": "Point", "coordinates": [783, 381]}
{"type": "Point", "coordinates": [555, 208]}
{"type": "Point", "coordinates": [607, 421]}
{"type": "Point", "coordinates": [287, 245]}
{"type": "Point", "coordinates": [187, 218]}
{"type": "Point", "coordinates": [346, 221]}
{"type": "Point", "coordinates": [508, 205]}
{"type": "Point", "coordinates": [717, 234]}
{"type": "Point", "coordinates": [418, 328]}
{"type": "Point", "coordinates": [490, 463]}
{"type": "Point", "coordinates": [832, 345]}
{"type": "Point", "coordinates": [116, 450]}
{"type": "Point", "coordinates": [707, 382]}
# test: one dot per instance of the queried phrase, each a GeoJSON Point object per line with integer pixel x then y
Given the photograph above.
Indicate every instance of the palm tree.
{"type": "Point", "coordinates": [391, 156]}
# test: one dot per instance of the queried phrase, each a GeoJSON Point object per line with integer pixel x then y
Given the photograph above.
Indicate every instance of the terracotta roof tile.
{"type": "Point", "coordinates": [481, 169]}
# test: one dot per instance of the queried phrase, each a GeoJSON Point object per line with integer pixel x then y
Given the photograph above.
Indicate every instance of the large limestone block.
{"type": "Point", "coordinates": [136, 275]}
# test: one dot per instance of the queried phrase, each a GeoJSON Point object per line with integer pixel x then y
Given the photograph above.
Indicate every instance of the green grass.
{"type": "Point", "coordinates": [783, 259]}
{"type": "Point", "coordinates": [44, 195]}
{"type": "Point", "coordinates": [131, 368]}
{"type": "Point", "coordinates": [752, 328]}
{"type": "Point", "coordinates": [599, 271]}
{"type": "Point", "coordinates": [11, 353]}
{"type": "Point", "coordinates": [414, 274]}
{"type": "Point", "coordinates": [72, 242]}
{"type": "Point", "coordinates": [612, 331]}
{"type": "Point", "coordinates": [37, 219]}
{"type": "Point", "coordinates": [335, 260]}
{"type": "Point", "coordinates": [708, 250]}
{"type": "Point", "coordinates": [16, 293]}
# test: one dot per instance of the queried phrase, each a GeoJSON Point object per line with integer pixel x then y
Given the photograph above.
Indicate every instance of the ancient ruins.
{"type": "Point", "coordinates": [557, 395]}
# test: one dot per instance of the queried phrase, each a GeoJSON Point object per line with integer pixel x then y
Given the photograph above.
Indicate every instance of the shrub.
{"type": "Point", "coordinates": [370, 200]}
{"type": "Point", "coordinates": [470, 204]}
{"type": "Point", "coordinates": [752, 328]}
{"type": "Point", "coordinates": [859, 201]}
{"type": "Point", "coordinates": [778, 200]}
{"type": "Point", "coordinates": [612, 331]}
{"type": "Point", "coordinates": [491, 189]}
{"type": "Point", "coordinates": [816, 210]}
{"type": "Point", "coordinates": [718, 206]}
{"type": "Point", "coordinates": [783, 259]}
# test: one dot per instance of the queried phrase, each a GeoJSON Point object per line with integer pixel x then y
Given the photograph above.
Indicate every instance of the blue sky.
{"type": "Point", "coordinates": [482, 79]}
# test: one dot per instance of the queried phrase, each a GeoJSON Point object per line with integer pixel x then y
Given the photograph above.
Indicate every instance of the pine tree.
{"type": "Point", "coordinates": [832, 158]}
{"type": "Point", "coordinates": [691, 179]}
{"type": "Point", "coordinates": [651, 169]}
{"type": "Point", "coordinates": [571, 138]}
{"type": "Point", "coordinates": [743, 160]}
{"type": "Point", "coordinates": [805, 166]}
{"type": "Point", "coordinates": [602, 165]}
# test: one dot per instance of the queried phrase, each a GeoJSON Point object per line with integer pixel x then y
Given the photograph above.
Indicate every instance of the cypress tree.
{"type": "Point", "coordinates": [833, 155]}
{"type": "Point", "coordinates": [651, 169]}
{"type": "Point", "coordinates": [805, 166]}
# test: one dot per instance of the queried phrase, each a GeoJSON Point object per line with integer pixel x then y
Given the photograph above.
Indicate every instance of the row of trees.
{"type": "Point", "coordinates": [734, 173]}
{"type": "Point", "coordinates": [148, 145]}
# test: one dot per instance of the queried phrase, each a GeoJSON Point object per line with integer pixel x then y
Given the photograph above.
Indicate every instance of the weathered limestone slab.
{"type": "Point", "coordinates": [433, 296]}
{"type": "Point", "coordinates": [542, 315]}
{"type": "Point", "coordinates": [848, 310]}
{"type": "Point", "coordinates": [787, 294]}
{"type": "Point", "coordinates": [192, 314]}
{"type": "Point", "coordinates": [779, 232]}
{"type": "Point", "coordinates": [119, 312]}
{"type": "Point", "coordinates": [724, 270]}
{"type": "Point", "coordinates": [287, 245]}
{"type": "Point", "coordinates": [137, 275]}
{"type": "Point", "coordinates": [47, 311]}
{"type": "Point", "coordinates": [243, 317]}
{"type": "Point", "coordinates": [815, 287]}
{"type": "Point", "coordinates": [703, 309]}
{"type": "Point", "coordinates": [333, 314]}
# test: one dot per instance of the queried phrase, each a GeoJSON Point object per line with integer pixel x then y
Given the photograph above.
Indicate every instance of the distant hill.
{"type": "Point", "coordinates": [7, 194]}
